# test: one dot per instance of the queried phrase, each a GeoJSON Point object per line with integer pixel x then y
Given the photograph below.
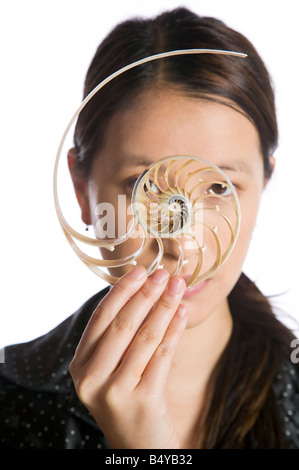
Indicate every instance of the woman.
{"type": "Point", "coordinates": [160, 365]}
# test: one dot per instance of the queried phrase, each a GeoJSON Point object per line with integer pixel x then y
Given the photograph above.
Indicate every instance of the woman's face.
{"type": "Point", "coordinates": [164, 123]}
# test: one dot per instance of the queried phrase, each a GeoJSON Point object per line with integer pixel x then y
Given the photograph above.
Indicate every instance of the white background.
{"type": "Point", "coordinates": [46, 47]}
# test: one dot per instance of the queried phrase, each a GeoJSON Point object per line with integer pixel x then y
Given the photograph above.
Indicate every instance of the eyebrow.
{"type": "Point", "coordinates": [134, 160]}
{"type": "Point", "coordinates": [236, 166]}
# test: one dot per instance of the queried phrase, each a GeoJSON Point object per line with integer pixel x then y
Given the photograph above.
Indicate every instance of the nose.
{"type": "Point", "coordinates": [185, 247]}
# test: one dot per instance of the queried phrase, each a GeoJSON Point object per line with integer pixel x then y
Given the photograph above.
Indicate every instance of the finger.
{"type": "Point", "coordinates": [113, 345]}
{"type": "Point", "coordinates": [107, 310]}
{"type": "Point", "coordinates": [155, 375]}
{"type": "Point", "coordinates": [151, 334]}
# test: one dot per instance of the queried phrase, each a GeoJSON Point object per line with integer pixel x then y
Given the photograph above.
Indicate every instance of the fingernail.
{"type": "Point", "coordinates": [160, 276]}
{"type": "Point", "coordinates": [176, 285]}
{"type": "Point", "coordinates": [182, 311]}
{"type": "Point", "coordinates": [138, 273]}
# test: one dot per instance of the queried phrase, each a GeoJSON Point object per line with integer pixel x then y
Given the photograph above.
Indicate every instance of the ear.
{"type": "Point", "coordinates": [272, 162]}
{"type": "Point", "coordinates": [80, 185]}
{"type": "Point", "coordinates": [272, 166]}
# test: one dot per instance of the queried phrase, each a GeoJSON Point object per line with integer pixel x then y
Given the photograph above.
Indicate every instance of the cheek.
{"type": "Point", "coordinates": [109, 210]}
{"type": "Point", "coordinates": [249, 210]}
{"type": "Point", "coordinates": [240, 250]}
{"type": "Point", "coordinates": [248, 219]}
{"type": "Point", "coordinates": [124, 250]}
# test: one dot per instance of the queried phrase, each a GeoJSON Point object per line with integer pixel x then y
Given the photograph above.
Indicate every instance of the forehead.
{"type": "Point", "coordinates": [164, 123]}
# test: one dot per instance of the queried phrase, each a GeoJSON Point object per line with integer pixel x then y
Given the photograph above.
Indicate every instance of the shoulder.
{"type": "Point", "coordinates": [286, 390]}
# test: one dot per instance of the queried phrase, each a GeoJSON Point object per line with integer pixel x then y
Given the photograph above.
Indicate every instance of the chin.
{"type": "Point", "coordinates": [207, 299]}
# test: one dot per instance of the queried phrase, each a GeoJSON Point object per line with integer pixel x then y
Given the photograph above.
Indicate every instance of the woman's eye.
{"type": "Point", "coordinates": [131, 183]}
{"type": "Point", "coordinates": [153, 187]}
{"type": "Point", "coordinates": [220, 189]}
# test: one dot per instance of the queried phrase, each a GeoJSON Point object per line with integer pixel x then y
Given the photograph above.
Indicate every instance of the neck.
{"type": "Point", "coordinates": [200, 348]}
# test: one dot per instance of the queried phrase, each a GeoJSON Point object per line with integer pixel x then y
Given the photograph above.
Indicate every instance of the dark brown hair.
{"type": "Point", "coordinates": [240, 408]}
{"type": "Point", "coordinates": [244, 83]}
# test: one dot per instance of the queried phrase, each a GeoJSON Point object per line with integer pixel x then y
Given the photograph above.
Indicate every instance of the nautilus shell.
{"type": "Point", "coordinates": [189, 202]}
{"type": "Point", "coordinates": [183, 215]}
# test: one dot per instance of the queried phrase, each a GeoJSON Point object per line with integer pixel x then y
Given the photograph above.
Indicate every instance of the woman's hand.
{"type": "Point", "coordinates": [122, 361]}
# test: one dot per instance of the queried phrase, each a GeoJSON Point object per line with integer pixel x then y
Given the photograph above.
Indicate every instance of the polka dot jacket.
{"type": "Point", "coordinates": [39, 407]}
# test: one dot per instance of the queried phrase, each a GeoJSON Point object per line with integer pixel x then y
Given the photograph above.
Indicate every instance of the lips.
{"type": "Point", "coordinates": [194, 290]}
